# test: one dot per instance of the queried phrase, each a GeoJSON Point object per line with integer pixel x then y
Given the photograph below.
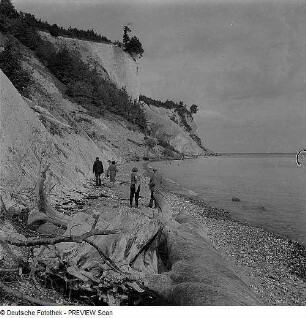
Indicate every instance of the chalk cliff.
{"type": "Point", "coordinates": [122, 69]}
{"type": "Point", "coordinates": [112, 62]}
{"type": "Point", "coordinates": [167, 126]}
{"type": "Point", "coordinates": [29, 136]}
{"type": "Point", "coordinates": [48, 126]}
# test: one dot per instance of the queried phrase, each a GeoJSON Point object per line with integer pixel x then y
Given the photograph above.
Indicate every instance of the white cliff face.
{"type": "Point", "coordinates": [51, 128]}
{"type": "Point", "coordinates": [122, 69]}
{"type": "Point", "coordinates": [159, 120]}
{"type": "Point", "coordinates": [112, 62]}
{"type": "Point", "coordinates": [26, 143]}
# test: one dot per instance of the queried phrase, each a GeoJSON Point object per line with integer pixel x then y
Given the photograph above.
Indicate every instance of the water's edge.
{"type": "Point", "coordinates": [296, 261]}
{"type": "Point", "coordinates": [181, 191]}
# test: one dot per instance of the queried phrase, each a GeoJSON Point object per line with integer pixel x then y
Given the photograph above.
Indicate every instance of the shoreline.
{"type": "Point", "coordinates": [272, 266]}
{"type": "Point", "coordinates": [180, 190]}
{"type": "Point", "coordinates": [268, 261]}
{"type": "Point", "coordinates": [269, 266]}
{"type": "Point", "coordinates": [296, 258]}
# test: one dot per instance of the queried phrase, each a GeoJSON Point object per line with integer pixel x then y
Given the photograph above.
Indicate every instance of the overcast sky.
{"type": "Point", "coordinates": [242, 62]}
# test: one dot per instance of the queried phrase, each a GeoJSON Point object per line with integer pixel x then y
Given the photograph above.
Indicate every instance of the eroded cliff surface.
{"type": "Point", "coordinates": [30, 136]}
{"type": "Point", "coordinates": [48, 126]}
{"type": "Point", "coordinates": [167, 126]}
{"type": "Point", "coordinates": [119, 67]}
{"type": "Point", "coordinates": [111, 61]}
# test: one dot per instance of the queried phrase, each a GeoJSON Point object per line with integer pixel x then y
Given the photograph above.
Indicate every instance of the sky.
{"type": "Point", "coordinates": [242, 62]}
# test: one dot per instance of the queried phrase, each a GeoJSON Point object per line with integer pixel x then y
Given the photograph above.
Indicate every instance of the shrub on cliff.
{"type": "Point", "coordinates": [7, 9]}
{"type": "Point", "coordinates": [26, 34]}
{"type": "Point", "coordinates": [65, 66]}
{"type": "Point", "coordinates": [4, 23]}
{"type": "Point", "coordinates": [10, 63]}
{"type": "Point", "coordinates": [87, 87]}
{"type": "Point", "coordinates": [131, 45]}
{"type": "Point", "coordinates": [54, 30]}
{"type": "Point", "coordinates": [17, 25]}
{"type": "Point", "coordinates": [45, 51]}
{"type": "Point", "coordinates": [194, 109]}
{"type": "Point", "coordinates": [134, 46]}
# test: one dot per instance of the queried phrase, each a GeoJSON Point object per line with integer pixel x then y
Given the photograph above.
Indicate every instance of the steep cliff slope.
{"type": "Point", "coordinates": [26, 143]}
{"type": "Point", "coordinates": [119, 67]}
{"type": "Point", "coordinates": [111, 61]}
{"type": "Point", "coordinates": [167, 126]}
{"type": "Point", "coordinates": [51, 127]}
{"type": "Point", "coordinates": [48, 127]}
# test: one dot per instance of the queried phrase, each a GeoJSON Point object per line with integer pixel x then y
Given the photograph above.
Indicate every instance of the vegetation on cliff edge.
{"type": "Point", "coordinates": [83, 83]}
{"type": "Point", "coordinates": [9, 17]}
{"type": "Point", "coordinates": [183, 111]}
{"type": "Point", "coordinates": [180, 108]}
{"type": "Point", "coordinates": [10, 64]}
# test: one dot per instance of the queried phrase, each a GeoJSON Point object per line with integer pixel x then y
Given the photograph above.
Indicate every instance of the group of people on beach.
{"type": "Point", "coordinates": [155, 180]}
{"type": "Point", "coordinates": [111, 172]}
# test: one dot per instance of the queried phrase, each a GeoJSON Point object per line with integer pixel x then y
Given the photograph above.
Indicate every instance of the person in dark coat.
{"type": "Point", "coordinates": [97, 169]}
{"type": "Point", "coordinates": [134, 187]}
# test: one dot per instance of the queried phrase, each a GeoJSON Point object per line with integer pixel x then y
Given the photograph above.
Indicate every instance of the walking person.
{"type": "Point", "coordinates": [97, 169]}
{"type": "Point", "coordinates": [152, 187]}
{"type": "Point", "coordinates": [134, 187]}
{"type": "Point", "coordinates": [112, 172]}
{"type": "Point", "coordinates": [109, 163]}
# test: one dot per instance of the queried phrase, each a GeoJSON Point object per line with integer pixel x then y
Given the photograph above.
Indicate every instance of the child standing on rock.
{"type": "Point", "coordinates": [135, 187]}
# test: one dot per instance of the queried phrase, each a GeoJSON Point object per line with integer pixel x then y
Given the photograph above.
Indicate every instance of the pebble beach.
{"type": "Point", "coordinates": [272, 266]}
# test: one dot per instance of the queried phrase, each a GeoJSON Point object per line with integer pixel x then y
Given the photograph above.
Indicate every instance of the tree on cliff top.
{"type": "Point", "coordinates": [194, 109]}
{"type": "Point", "coordinates": [126, 37]}
{"type": "Point", "coordinates": [131, 45]}
{"type": "Point", "coordinates": [134, 46]}
{"type": "Point", "coordinates": [7, 9]}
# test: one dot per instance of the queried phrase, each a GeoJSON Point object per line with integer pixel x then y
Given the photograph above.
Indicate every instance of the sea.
{"type": "Point", "coordinates": [271, 188]}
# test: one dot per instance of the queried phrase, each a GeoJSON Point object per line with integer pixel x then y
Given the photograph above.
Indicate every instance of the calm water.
{"type": "Point", "coordinates": [271, 189]}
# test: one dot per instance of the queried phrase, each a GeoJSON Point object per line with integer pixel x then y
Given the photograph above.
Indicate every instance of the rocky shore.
{"type": "Point", "coordinates": [271, 267]}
